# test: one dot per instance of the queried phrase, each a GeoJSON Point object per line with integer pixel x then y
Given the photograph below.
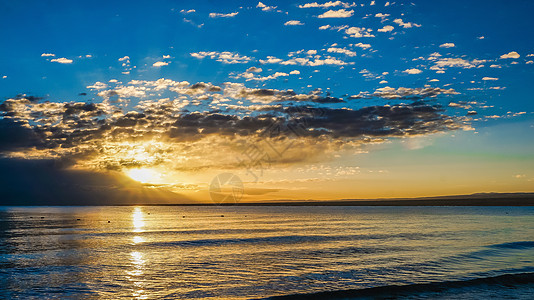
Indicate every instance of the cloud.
{"type": "Point", "coordinates": [220, 15]}
{"type": "Point", "coordinates": [405, 25]}
{"type": "Point", "coordinates": [363, 46]}
{"type": "Point", "coordinates": [406, 93]}
{"type": "Point", "coordinates": [62, 60]}
{"type": "Point", "coordinates": [187, 127]}
{"type": "Point", "coordinates": [342, 51]}
{"type": "Point", "coordinates": [386, 28]}
{"type": "Point", "coordinates": [160, 64]}
{"type": "Point", "coordinates": [447, 45]}
{"type": "Point", "coordinates": [358, 32]}
{"type": "Point", "coordinates": [183, 11]}
{"type": "Point", "coordinates": [327, 4]}
{"type": "Point", "coordinates": [512, 54]}
{"type": "Point", "coordinates": [254, 70]}
{"type": "Point", "coordinates": [97, 86]}
{"type": "Point", "coordinates": [293, 23]}
{"type": "Point", "coordinates": [294, 72]}
{"type": "Point", "coordinates": [47, 54]}
{"type": "Point", "coordinates": [381, 15]}
{"type": "Point", "coordinates": [342, 13]}
{"type": "Point", "coordinates": [490, 78]}
{"type": "Point", "coordinates": [265, 7]}
{"type": "Point", "coordinates": [224, 57]}
{"type": "Point", "coordinates": [412, 71]}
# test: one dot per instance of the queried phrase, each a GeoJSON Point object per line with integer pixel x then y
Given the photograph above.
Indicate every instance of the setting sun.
{"type": "Point", "coordinates": [144, 175]}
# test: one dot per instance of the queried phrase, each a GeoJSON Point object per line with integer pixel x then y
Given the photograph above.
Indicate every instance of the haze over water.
{"type": "Point", "coordinates": [256, 252]}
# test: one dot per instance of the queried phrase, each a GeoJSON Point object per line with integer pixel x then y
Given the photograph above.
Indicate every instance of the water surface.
{"type": "Point", "coordinates": [257, 252]}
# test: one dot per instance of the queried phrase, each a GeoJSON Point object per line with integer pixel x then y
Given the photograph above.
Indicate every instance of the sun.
{"type": "Point", "coordinates": [144, 175]}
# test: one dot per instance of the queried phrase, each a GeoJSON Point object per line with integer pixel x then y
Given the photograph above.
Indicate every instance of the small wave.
{"type": "Point", "coordinates": [396, 291]}
{"type": "Point", "coordinates": [515, 245]}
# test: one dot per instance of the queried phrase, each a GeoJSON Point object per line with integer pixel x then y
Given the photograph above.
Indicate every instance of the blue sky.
{"type": "Point", "coordinates": [473, 60]}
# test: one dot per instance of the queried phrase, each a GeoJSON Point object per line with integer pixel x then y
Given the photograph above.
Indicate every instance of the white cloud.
{"type": "Point", "coordinates": [372, 3]}
{"type": "Point", "coordinates": [183, 11]}
{"type": "Point", "coordinates": [265, 7]}
{"type": "Point", "coordinates": [4, 77]}
{"type": "Point", "coordinates": [166, 56]}
{"type": "Point", "coordinates": [327, 4]}
{"type": "Point", "coordinates": [490, 78]}
{"type": "Point", "coordinates": [447, 45]}
{"type": "Point", "coordinates": [342, 51]}
{"type": "Point", "coordinates": [48, 54]}
{"type": "Point", "coordinates": [363, 46]}
{"type": "Point", "coordinates": [530, 62]}
{"type": "Point", "coordinates": [441, 63]}
{"type": "Point", "coordinates": [160, 64]}
{"type": "Point", "coordinates": [219, 15]}
{"type": "Point", "coordinates": [342, 13]}
{"type": "Point", "coordinates": [224, 57]}
{"type": "Point", "coordinates": [358, 32]}
{"type": "Point", "coordinates": [512, 54]}
{"type": "Point", "coordinates": [495, 66]}
{"type": "Point", "coordinates": [294, 72]}
{"type": "Point", "coordinates": [324, 27]}
{"type": "Point", "coordinates": [386, 28]}
{"type": "Point", "coordinates": [254, 69]}
{"type": "Point", "coordinates": [62, 60]}
{"type": "Point", "coordinates": [381, 15]}
{"type": "Point", "coordinates": [412, 71]}
{"type": "Point", "coordinates": [125, 58]}
{"type": "Point", "coordinates": [97, 86]}
{"type": "Point", "coordinates": [406, 25]}
{"type": "Point", "coordinates": [480, 37]}
{"type": "Point", "coordinates": [293, 23]}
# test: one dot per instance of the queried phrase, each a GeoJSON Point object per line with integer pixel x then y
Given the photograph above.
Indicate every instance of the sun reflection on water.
{"type": "Point", "coordinates": [138, 220]}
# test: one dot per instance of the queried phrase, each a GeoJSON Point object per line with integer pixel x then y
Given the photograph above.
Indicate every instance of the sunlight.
{"type": "Point", "coordinates": [144, 175]}
{"type": "Point", "coordinates": [138, 221]}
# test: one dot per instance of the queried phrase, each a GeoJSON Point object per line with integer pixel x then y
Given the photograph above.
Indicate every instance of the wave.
{"type": "Point", "coordinates": [397, 291]}
{"type": "Point", "coordinates": [515, 245]}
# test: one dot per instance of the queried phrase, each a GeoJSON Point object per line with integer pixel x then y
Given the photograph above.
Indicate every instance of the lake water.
{"type": "Point", "coordinates": [258, 252]}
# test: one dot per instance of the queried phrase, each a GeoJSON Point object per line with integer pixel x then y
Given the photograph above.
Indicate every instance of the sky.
{"type": "Point", "coordinates": [108, 102]}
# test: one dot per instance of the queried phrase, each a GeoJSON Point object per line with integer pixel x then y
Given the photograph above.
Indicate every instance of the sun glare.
{"type": "Point", "coordinates": [144, 175]}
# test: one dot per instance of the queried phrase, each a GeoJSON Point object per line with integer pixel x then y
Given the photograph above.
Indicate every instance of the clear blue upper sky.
{"type": "Point", "coordinates": [146, 31]}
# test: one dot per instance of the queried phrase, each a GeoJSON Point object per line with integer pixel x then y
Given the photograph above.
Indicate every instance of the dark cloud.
{"type": "Point", "coordinates": [46, 182]}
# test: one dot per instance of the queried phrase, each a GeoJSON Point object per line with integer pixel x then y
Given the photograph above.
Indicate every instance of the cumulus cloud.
{"type": "Point", "coordinates": [412, 71]}
{"type": "Point", "coordinates": [358, 32]}
{"type": "Point", "coordinates": [406, 93]}
{"type": "Point", "coordinates": [405, 24]}
{"type": "Point", "coordinates": [342, 13]}
{"type": "Point", "coordinates": [512, 54]}
{"type": "Point", "coordinates": [48, 54]}
{"type": "Point", "coordinates": [62, 60]}
{"type": "Point", "coordinates": [490, 78]}
{"type": "Point", "coordinates": [293, 23]}
{"type": "Point", "coordinates": [224, 57]}
{"type": "Point", "coordinates": [190, 127]}
{"type": "Point", "coordinates": [328, 4]}
{"type": "Point", "coordinates": [220, 15]}
{"type": "Point", "coordinates": [386, 28]}
{"type": "Point", "coordinates": [160, 64]}
{"type": "Point", "coordinates": [447, 45]}
{"type": "Point", "coordinates": [265, 7]}
{"type": "Point", "coordinates": [342, 51]}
